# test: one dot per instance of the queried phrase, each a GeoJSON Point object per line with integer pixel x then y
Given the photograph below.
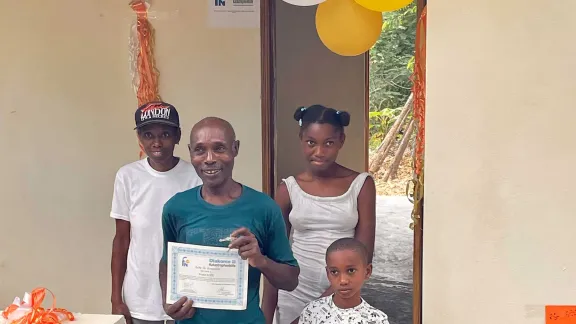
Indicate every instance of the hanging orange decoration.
{"type": "Point", "coordinates": [419, 91]}
{"type": "Point", "coordinates": [145, 75]}
{"type": "Point", "coordinates": [31, 311]}
{"type": "Point", "coordinates": [146, 64]}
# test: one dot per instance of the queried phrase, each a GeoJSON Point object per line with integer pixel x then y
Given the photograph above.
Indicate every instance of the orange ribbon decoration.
{"type": "Point", "coordinates": [146, 64]}
{"type": "Point", "coordinates": [419, 90]}
{"type": "Point", "coordinates": [37, 314]}
{"type": "Point", "coordinates": [148, 87]}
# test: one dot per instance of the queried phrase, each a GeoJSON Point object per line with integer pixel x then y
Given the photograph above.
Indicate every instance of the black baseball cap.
{"type": "Point", "coordinates": [156, 112]}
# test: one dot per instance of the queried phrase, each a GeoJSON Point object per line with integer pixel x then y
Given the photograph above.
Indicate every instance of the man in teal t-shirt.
{"type": "Point", "coordinates": [223, 208]}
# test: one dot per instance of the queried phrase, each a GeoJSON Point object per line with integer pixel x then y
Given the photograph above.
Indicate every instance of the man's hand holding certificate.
{"type": "Point", "coordinates": [180, 310]}
{"type": "Point", "coordinates": [247, 245]}
{"type": "Point", "coordinates": [210, 277]}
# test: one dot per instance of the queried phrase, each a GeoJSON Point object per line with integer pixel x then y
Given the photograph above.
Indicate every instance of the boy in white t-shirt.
{"type": "Point", "coordinates": [347, 268]}
{"type": "Point", "coordinates": [141, 189]}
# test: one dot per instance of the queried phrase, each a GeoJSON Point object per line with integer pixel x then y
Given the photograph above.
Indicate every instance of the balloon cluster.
{"type": "Point", "coordinates": [350, 27]}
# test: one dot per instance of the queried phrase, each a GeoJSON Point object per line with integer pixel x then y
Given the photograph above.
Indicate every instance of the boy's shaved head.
{"type": "Point", "coordinates": [351, 244]}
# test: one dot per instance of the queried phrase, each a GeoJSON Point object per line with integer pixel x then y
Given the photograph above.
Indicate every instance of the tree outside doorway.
{"type": "Point", "coordinates": [391, 145]}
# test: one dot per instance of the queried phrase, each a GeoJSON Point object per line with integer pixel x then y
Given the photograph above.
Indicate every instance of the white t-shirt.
{"type": "Point", "coordinates": [324, 311]}
{"type": "Point", "coordinates": [140, 193]}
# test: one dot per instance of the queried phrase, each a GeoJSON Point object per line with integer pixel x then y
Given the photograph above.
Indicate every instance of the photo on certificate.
{"type": "Point", "coordinates": [213, 277]}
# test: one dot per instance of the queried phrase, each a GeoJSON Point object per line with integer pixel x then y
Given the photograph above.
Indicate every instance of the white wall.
{"type": "Point", "coordinates": [500, 155]}
{"type": "Point", "coordinates": [66, 126]}
{"type": "Point", "coordinates": [308, 73]}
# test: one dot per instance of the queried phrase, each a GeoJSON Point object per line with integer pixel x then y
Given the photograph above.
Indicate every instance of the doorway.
{"type": "Point", "coordinates": [297, 70]}
{"type": "Point", "coordinates": [391, 144]}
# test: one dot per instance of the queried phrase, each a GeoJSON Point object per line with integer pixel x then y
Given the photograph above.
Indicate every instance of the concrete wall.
{"type": "Point", "coordinates": [66, 126]}
{"type": "Point", "coordinates": [500, 155]}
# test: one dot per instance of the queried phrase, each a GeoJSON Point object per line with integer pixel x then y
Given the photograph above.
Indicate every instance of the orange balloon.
{"type": "Point", "coordinates": [384, 5]}
{"type": "Point", "coordinates": [347, 28]}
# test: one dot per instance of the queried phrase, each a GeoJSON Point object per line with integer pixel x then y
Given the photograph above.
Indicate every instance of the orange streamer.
{"type": "Point", "coordinates": [148, 87]}
{"type": "Point", "coordinates": [146, 63]}
{"type": "Point", "coordinates": [37, 314]}
{"type": "Point", "coordinates": [419, 90]}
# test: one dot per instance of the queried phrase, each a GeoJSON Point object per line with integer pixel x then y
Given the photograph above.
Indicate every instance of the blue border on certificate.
{"type": "Point", "coordinates": [175, 254]}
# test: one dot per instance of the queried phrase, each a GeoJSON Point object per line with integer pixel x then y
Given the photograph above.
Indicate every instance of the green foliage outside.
{"type": "Point", "coordinates": [391, 65]}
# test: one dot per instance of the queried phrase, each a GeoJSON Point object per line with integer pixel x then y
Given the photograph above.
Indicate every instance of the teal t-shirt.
{"type": "Point", "coordinates": [188, 218]}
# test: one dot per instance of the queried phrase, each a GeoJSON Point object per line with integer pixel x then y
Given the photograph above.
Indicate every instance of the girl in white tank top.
{"type": "Point", "coordinates": [325, 203]}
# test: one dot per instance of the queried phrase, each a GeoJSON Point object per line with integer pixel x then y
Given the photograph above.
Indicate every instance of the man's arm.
{"type": "Point", "coordinates": [282, 275]}
{"type": "Point", "coordinates": [270, 294]}
{"type": "Point", "coordinates": [120, 246]}
{"type": "Point", "coordinates": [280, 267]}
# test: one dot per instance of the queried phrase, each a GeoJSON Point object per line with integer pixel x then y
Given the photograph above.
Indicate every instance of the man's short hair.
{"type": "Point", "coordinates": [349, 243]}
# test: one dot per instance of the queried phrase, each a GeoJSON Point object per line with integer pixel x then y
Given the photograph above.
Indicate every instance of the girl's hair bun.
{"type": "Point", "coordinates": [299, 113]}
{"type": "Point", "coordinates": [343, 117]}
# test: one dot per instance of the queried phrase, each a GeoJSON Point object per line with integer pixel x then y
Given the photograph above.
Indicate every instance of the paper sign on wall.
{"type": "Point", "coordinates": [234, 13]}
{"type": "Point", "coordinates": [560, 314]}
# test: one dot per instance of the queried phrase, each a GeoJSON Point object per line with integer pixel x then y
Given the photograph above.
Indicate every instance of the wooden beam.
{"type": "Point", "coordinates": [267, 31]}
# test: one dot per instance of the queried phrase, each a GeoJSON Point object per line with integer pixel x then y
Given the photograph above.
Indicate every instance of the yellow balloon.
{"type": "Point", "coordinates": [384, 5]}
{"type": "Point", "coordinates": [347, 28]}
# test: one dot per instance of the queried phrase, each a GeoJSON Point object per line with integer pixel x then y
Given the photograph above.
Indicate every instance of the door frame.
{"type": "Point", "coordinates": [268, 91]}
{"type": "Point", "coordinates": [417, 264]}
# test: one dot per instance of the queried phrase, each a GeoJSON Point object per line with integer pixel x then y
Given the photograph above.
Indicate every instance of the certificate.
{"type": "Point", "coordinates": [213, 277]}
